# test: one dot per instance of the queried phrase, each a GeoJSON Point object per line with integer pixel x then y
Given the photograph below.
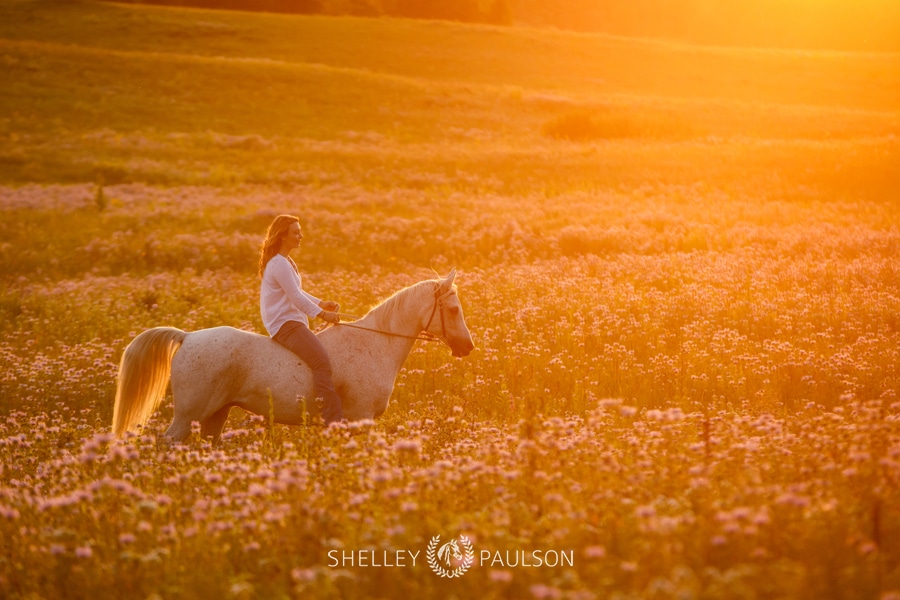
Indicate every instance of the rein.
{"type": "Point", "coordinates": [424, 335]}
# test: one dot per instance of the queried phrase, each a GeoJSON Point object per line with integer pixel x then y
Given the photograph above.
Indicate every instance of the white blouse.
{"type": "Point", "coordinates": [281, 296]}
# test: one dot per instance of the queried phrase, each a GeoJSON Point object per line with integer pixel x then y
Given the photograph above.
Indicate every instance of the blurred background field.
{"type": "Point", "coordinates": [678, 262]}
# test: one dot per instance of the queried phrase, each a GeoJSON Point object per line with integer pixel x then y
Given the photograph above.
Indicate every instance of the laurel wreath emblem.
{"type": "Point", "coordinates": [438, 568]}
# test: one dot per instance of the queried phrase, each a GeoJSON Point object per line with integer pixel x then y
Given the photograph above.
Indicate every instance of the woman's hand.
{"type": "Point", "coordinates": [329, 305]}
{"type": "Point", "coordinates": [330, 317]}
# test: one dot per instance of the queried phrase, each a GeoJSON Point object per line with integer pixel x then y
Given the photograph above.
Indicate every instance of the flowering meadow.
{"type": "Point", "coordinates": [680, 267]}
{"type": "Point", "coordinates": [694, 406]}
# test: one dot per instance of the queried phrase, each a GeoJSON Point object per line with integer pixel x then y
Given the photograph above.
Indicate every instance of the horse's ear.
{"type": "Point", "coordinates": [447, 282]}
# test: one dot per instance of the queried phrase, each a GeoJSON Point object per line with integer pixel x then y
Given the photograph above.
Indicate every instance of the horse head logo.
{"type": "Point", "coordinates": [449, 551]}
{"type": "Point", "coordinates": [441, 557]}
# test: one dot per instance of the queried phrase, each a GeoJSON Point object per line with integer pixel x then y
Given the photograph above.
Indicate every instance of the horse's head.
{"type": "Point", "coordinates": [448, 550]}
{"type": "Point", "coordinates": [447, 321]}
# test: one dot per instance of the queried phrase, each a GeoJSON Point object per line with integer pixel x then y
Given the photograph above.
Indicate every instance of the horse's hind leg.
{"type": "Point", "coordinates": [179, 430]}
{"type": "Point", "coordinates": [203, 397]}
{"type": "Point", "coordinates": [212, 426]}
{"type": "Point", "coordinates": [211, 415]}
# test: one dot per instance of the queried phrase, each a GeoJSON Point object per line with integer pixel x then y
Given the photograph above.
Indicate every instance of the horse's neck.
{"type": "Point", "coordinates": [408, 324]}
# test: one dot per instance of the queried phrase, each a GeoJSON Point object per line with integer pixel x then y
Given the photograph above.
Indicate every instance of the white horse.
{"type": "Point", "coordinates": [213, 370]}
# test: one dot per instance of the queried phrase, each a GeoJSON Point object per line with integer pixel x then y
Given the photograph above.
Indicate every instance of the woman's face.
{"type": "Point", "coordinates": [292, 237]}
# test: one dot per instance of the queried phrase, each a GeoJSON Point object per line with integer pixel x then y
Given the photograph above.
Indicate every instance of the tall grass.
{"type": "Point", "coordinates": [687, 336]}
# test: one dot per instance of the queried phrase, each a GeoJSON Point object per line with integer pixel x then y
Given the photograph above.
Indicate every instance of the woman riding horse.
{"type": "Point", "coordinates": [285, 309]}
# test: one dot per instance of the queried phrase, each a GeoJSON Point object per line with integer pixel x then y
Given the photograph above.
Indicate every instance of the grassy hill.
{"type": "Point", "coordinates": [174, 96]}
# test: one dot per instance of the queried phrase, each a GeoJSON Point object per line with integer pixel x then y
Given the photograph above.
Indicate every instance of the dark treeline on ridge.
{"type": "Point", "coordinates": [497, 12]}
{"type": "Point", "coordinates": [872, 25]}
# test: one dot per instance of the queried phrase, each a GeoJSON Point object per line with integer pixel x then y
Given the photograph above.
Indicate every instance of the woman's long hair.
{"type": "Point", "coordinates": [274, 235]}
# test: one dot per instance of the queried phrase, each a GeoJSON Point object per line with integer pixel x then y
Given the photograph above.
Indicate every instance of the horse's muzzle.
{"type": "Point", "coordinates": [463, 349]}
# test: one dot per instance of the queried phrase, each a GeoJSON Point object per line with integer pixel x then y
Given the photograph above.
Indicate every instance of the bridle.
{"type": "Point", "coordinates": [437, 308]}
{"type": "Point", "coordinates": [424, 335]}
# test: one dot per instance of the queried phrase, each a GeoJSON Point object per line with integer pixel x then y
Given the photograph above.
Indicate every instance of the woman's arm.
{"type": "Point", "coordinates": [286, 278]}
{"type": "Point", "coordinates": [325, 305]}
{"type": "Point", "coordinates": [329, 305]}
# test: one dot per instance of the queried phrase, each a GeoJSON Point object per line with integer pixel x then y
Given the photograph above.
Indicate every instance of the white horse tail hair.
{"type": "Point", "coordinates": [143, 376]}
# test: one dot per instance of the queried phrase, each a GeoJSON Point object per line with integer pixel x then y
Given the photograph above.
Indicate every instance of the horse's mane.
{"type": "Point", "coordinates": [398, 303]}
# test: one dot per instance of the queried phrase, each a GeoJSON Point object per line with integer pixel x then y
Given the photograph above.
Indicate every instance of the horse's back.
{"type": "Point", "coordinates": [230, 366]}
{"type": "Point", "coordinates": [225, 348]}
{"type": "Point", "coordinates": [224, 365]}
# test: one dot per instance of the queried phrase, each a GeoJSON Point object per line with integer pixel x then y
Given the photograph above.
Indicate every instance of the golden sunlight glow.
{"type": "Point", "coordinates": [659, 264]}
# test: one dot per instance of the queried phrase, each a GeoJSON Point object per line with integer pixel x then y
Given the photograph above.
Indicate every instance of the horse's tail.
{"type": "Point", "coordinates": [143, 376]}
